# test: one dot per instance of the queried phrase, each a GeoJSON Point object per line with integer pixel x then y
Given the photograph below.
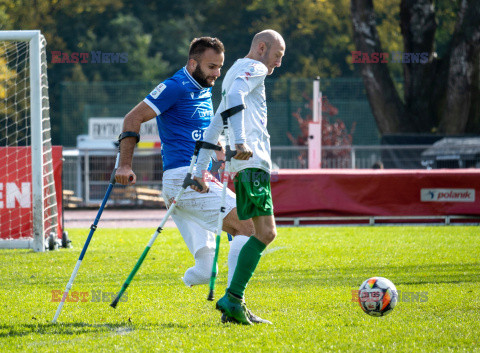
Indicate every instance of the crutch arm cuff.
{"type": "Point", "coordinates": [206, 145]}
{"type": "Point", "coordinates": [232, 111]}
{"type": "Point", "coordinates": [211, 146]}
{"type": "Point", "coordinates": [129, 134]}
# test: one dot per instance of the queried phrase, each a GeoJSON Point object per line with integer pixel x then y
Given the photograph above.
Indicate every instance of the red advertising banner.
{"type": "Point", "coordinates": [16, 216]}
{"type": "Point", "coordinates": [340, 192]}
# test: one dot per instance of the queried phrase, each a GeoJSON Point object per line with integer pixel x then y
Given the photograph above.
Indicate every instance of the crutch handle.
{"type": "Point", "coordinates": [229, 154]}
{"type": "Point", "coordinates": [190, 181]}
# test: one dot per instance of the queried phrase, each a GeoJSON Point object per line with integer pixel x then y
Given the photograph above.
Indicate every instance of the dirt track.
{"type": "Point", "coordinates": [135, 218]}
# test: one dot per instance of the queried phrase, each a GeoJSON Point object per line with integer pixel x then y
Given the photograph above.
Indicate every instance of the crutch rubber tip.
{"type": "Point", "coordinates": [211, 295]}
{"type": "Point", "coordinates": [114, 303]}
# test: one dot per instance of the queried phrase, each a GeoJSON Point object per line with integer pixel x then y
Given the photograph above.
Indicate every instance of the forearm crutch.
{"type": "Point", "coordinates": [93, 227]}
{"type": "Point", "coordinates": [186, 183]}
{"type": "Point", "coordinates": [226, 175]}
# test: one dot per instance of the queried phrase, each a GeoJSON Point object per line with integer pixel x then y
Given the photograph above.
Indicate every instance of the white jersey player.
{"type": "Point", "coordinates": [244, 104]}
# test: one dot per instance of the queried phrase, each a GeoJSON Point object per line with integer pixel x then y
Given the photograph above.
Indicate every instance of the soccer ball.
{"type": "Point", "coordinates": [377, 296]}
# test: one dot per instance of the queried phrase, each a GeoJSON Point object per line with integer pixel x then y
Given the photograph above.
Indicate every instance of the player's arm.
{"type": "Point", "coordinates": [158, 101]}
{"type": "Point", "coordinates": [132, 122]}
{"type": "Point", "coordinates": [220, 155]}
{"type": "Point", "coordinates": [211, 135]}
{"type": "Point", "coordinates": [236, 96]}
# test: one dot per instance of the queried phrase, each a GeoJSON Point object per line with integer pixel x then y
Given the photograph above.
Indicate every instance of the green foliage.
{"type": "Point", "coordinates": [318, 35]}
{"type": "Point", "coordinates": [388, 27]}
{"type": "Point", "coordinates": [124, 35]}
{"type": "Point", "coordinates": [14, 95]}
{"type": "Point", "coordinates": [446, 13]}
{"type": "Point", "coordinates": [303, 284]}
{"type": "Point", "coordinates": [156, 34]}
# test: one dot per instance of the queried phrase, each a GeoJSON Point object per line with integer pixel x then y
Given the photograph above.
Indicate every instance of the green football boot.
{"type": "Point", "coordinates": [234, 308]}
{"type": "Point", "coordinates": [251, 316]}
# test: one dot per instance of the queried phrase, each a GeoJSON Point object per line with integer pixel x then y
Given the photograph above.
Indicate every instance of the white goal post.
{"type": "Point", "coordinates": [28, 200]}
{"type": "Point", "coordinates": [315, 129]}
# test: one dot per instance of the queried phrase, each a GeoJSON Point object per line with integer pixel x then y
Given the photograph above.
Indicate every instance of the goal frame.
{"type": "Point", "coordinates": [35, 53]}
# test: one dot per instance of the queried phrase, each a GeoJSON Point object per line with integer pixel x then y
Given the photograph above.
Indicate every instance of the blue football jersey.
{"type": "Point", "coordinates": [184, 110]}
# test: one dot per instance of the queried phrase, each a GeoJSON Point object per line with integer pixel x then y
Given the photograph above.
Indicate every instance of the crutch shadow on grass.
{"type": "Point", "coordinates": [75, 328]}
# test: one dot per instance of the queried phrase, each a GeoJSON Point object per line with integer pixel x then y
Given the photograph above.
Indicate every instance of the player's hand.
{"type": "Point", "coordinates": [205, 188]}
{"type": "Point", "coordinates": [220, 154]}
{"type": "Point", "coordinates": [125, 176]}
{"type": "Point", "coordinates": [243, 152]}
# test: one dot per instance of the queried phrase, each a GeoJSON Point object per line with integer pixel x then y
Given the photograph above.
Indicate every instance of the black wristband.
{"type": "Point", "coordinates": [128, 134]}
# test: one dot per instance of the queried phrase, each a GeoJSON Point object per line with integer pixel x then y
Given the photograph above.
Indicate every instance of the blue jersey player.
{"type": "Point", "coordinates": [183, 109]}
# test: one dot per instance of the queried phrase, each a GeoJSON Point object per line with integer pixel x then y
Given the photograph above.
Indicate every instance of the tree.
{"type": "Point", "coordinates": [317, 34]}
{"type": "Point", "coordinates": [440, 95]}
{"type": "Point", "coordinates": [125, 35]}
{"type": "Point", "coordinates": [13, 98]}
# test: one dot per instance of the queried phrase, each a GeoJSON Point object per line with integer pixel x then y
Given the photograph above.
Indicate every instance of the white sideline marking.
{"type": "Point", "coordinates": [276, 248]}
{"type": "Point", "coordinates": [123, 330]}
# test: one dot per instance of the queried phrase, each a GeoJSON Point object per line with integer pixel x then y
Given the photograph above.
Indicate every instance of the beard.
{"type": "Point", "coordinates": [265, 60]}
{"type": "Point", "coordinates": [201, 78]}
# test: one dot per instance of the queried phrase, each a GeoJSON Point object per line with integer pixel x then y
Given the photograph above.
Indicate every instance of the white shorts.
{"type": "Point", "coordinates": [196, 215]}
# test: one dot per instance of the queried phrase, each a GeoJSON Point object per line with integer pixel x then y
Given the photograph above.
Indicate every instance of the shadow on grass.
{"type": "Point", "coordinates": [61, 329]}
{"type": "Point", "coordinates": [77, 328]}
{"type": "Point", "coordinates": [400, 275]}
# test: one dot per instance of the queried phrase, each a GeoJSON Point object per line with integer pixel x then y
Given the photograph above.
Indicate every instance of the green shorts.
{"type": "Point", "coordinates": [254, 194]}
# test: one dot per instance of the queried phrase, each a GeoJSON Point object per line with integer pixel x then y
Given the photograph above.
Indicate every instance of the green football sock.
{"type": "Point", "coordinates": [247, 262]}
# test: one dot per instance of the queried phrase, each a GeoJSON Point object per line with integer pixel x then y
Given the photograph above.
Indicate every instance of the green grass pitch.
{"type": "Point", "coordinates": [303, 284]}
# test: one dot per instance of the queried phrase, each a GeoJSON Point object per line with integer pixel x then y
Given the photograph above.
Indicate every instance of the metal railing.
{"type": "Point", "coordinates": [86, 174]}
{"type": "Point", "coordinates": [358, 157]}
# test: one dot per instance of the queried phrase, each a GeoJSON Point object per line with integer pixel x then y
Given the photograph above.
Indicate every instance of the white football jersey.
{"type": "Point", "coordinates": [255, 115]}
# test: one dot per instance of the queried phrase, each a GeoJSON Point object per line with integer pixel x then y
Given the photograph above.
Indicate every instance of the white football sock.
{"type": "Point", "coordinates": [200, 273]}
{"type": "Point", "coordinates": [235, 246]}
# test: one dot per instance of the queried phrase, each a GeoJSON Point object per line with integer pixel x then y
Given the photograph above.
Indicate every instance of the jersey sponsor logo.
{"type": "Point", "coordinates": [205, 113]}
{"type": "Point", "coordinates": [197, 134]}
{"type": "Point", "coordinates": [247, 75]}
{"type": "Point", "coordinates": [205, 94]}
{"type": "Point", "coordinates": [204, 110]}
{"type": "Point", "coordinates": [263, 116]}
{"type": "Point", "coordinates": [263, 120]}
{"type": "Point", "coordinates": [256, 184]}
{"type": "Point", "coordinates": [158, 90]}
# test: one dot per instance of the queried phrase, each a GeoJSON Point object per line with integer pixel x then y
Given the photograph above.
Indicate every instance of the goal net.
{"type": "Point", "coordinates": [28, 200]}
